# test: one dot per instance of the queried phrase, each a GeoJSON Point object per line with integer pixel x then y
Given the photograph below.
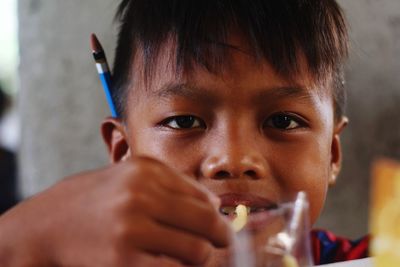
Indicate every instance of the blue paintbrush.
{"type": "Point", "coordinates": [104, 71]}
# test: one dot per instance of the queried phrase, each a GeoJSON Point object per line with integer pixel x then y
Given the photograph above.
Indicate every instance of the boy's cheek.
{"type": "Point", "coordinates": [316, 206]}
{"type": "Point", "coordinates": [182, 156]}
{"type": "Point", "coordinates": [309, 174]}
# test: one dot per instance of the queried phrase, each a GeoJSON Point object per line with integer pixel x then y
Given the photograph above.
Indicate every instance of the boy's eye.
{"type": "Point", "coordinates": [283, 122]}
{"type": "Point", "coordinates": [183, 122]}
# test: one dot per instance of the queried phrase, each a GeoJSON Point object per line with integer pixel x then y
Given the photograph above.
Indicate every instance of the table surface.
{"type": "Point", "coordinates": [367, 262]}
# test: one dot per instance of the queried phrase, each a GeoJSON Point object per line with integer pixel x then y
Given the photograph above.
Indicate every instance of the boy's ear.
{"type": "Point", "coordinates": [336, 149]}
{"type": "Point", "coordinates": [115, 137]}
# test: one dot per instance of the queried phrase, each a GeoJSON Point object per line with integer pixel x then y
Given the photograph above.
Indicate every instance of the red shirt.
{"type": "Point", "coordinates": [328, 248]}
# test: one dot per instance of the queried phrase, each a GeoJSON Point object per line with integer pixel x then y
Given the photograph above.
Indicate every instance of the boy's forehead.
{"type": "Point", "coordinates": [242, 67]}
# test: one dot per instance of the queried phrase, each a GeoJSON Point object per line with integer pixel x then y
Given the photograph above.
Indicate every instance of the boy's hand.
{"type": "Point", "coordinates": [131, 214]}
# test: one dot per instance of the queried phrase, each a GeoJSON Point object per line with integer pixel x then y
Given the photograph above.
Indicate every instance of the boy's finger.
{"type": "Point", "coordinates": [183, 184]}
{"type": "Point", "coordinates": [149, 168]}
{"type": "Point", "coordinates": [160, 239]}
{"type": "Point", "coordinates": [149, 260]}
{"type": "Point", "coordinates": [190, 214]}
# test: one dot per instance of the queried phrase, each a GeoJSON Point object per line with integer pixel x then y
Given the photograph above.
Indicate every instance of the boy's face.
{"type": "Point", "coordinates": [248, 135]}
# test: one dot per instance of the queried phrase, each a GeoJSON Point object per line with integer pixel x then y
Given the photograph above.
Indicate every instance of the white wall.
{"type": "Point", "coordinates": [61, 100]}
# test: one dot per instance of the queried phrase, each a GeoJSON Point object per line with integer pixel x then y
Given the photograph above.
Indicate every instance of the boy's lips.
{"type": "Point", "coordinates": [259, 208]}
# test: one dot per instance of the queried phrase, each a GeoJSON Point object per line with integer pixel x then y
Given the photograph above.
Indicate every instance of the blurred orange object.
{"type": "Point", "coordinates": [385, 213]}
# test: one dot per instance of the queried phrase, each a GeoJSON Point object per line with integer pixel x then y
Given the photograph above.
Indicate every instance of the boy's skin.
{"type": "Point", "coordinates": [161, 196]}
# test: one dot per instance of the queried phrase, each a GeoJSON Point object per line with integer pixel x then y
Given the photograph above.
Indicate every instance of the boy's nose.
{"type": "Point", "coordinates": [235, 159]}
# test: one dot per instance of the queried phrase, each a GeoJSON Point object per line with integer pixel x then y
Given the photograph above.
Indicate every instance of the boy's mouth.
{"type": "Point", "coordinates": [259, 209]}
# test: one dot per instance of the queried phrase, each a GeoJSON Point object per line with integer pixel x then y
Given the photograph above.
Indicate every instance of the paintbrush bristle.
{"type": "Point", "coordinates": [95, 44]}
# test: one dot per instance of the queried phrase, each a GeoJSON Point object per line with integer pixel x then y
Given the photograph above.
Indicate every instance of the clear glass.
{"type": "Point", "coordinates": [285, 241]}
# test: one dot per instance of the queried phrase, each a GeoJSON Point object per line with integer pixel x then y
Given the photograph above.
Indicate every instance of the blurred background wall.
{"type": "Point", "coordinates": [373, 83]}
{"type": "Point", "coordinates": [61, 102]}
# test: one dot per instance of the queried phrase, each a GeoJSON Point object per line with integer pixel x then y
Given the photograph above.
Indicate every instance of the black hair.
{"type": "Point", "coordinates": [278, 31]}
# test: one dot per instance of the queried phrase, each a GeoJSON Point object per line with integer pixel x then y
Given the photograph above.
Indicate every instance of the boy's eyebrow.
{"type": "Point", "coordinates": [295, 91]}
{"type": "Point", "coordinates": [202, 95]}
{"type": "Point", "coordinates": [185, 90]}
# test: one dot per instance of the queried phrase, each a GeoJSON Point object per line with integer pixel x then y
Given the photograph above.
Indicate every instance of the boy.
{"type": "Point", "coordinates": [220, 103]}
